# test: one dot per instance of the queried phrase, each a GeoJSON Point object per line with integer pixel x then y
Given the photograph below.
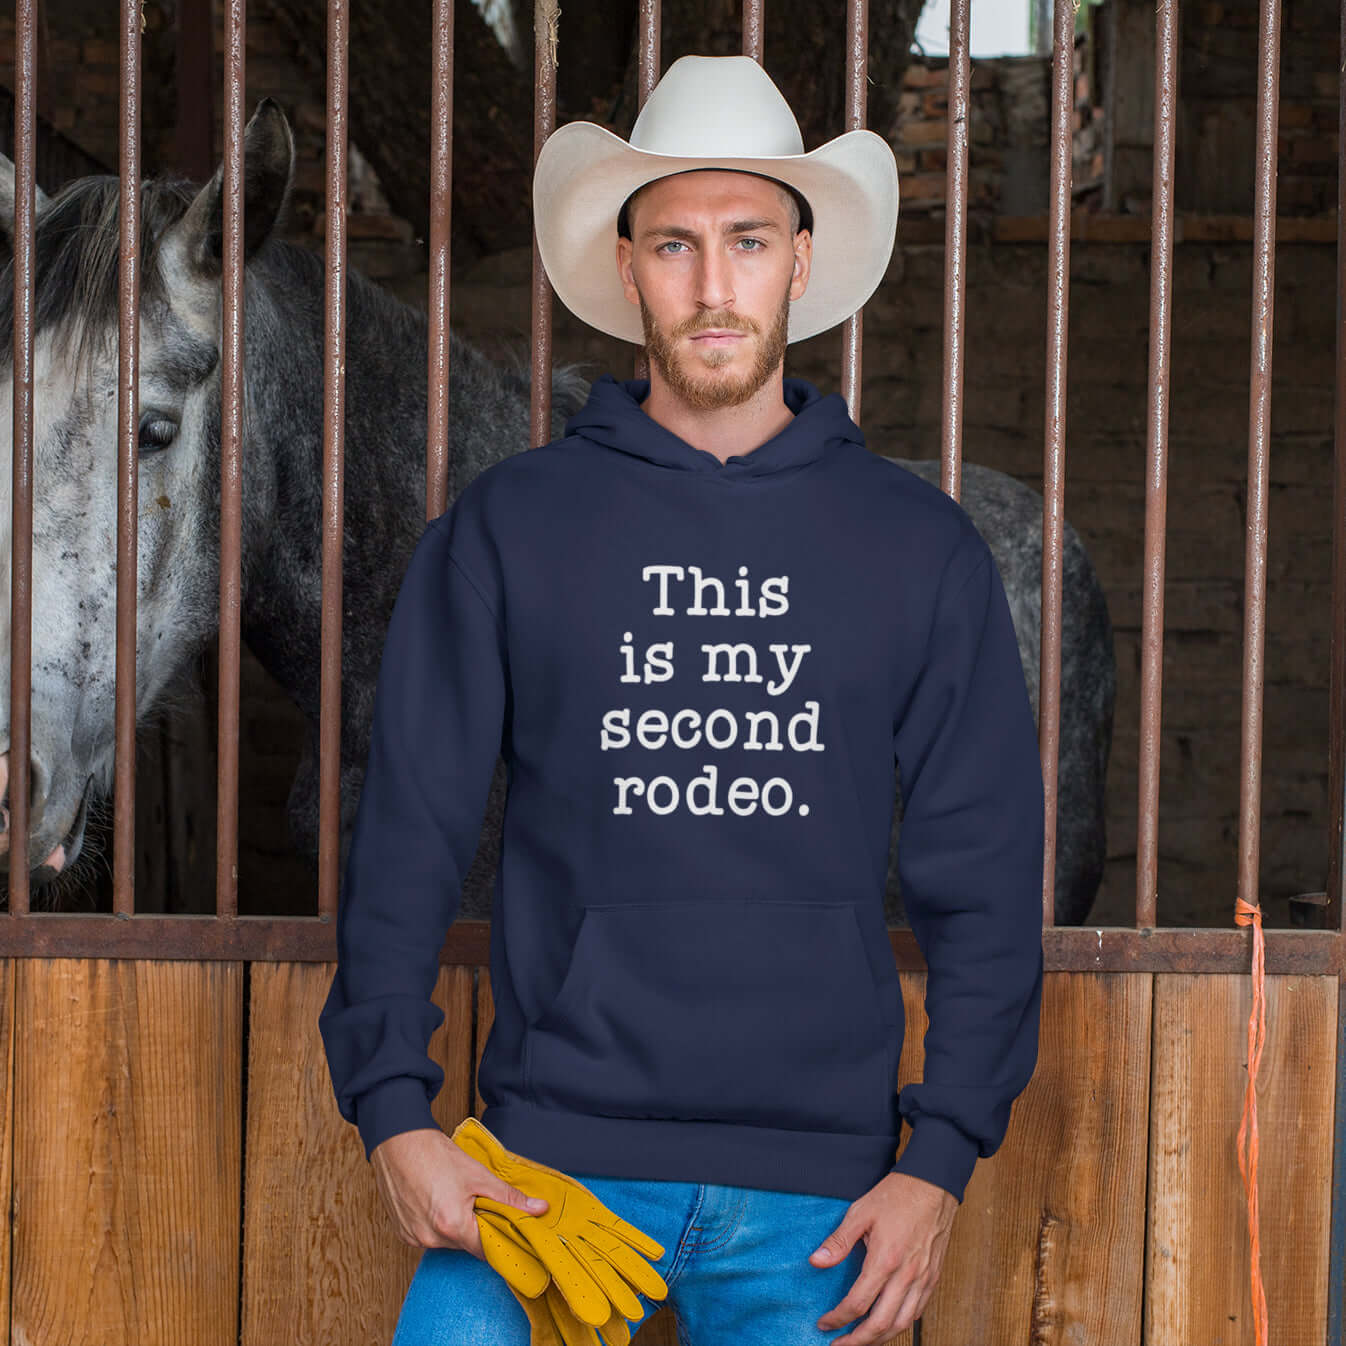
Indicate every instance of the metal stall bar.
{"type": "Point", "coordinates": [647, 50]}
{"type": "Point", "coordinates": [333, 428]}
{"type": "Point", "coordinates": [647, 76]}
{"type": "Point", "coordinates": [1259, 428]}
{"type": "Point", "coordinates": [1053, 461]}
{"type": "Point", "coordinates": [231, 466]}
{"type": "Point", "coordinates": [546, 17]}
{"type": "Point", "coordinates": [754, 30]}
{"type": "Point", "coordinates": [441, 200]}
{"type": "Point", "coordinates": [128, 383]}
{"type": "Point", "coordinates": [857, 69]}
{"type": "Point", "coordinates": [1156, 481]}
{"type": "Point", "coordinates": [1336, 753]}
{"type": "Point", "coordinates": [955, 250]}
{"type": "Point", "coordinates": [1247, 910]}
{"type": "Point", "coordinates": [21, 564]}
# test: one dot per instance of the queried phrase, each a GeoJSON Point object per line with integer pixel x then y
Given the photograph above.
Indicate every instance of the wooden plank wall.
{"type": "Point", "coordinates": [177, 1169]}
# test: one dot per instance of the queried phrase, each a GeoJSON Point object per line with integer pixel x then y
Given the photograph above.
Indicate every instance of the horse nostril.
{"type": "Point", "coordinates": [37, 791]}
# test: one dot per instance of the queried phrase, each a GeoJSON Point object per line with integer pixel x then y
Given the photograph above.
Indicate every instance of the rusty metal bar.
{"type": "Point", "coordinates": [313, 939]}
{"type": "Point", "coordinates": [231, 466]}
{"type": "Point", "coordinates": [21, 564]}
{"type": "Point", "coordinates": [1336, 752]}
{"type": "Point", "coordinates": [647, 50]}
{"type": "Point", "coordinates": [647, 76]}
{"type": "Point", "coordinates": [1259, 428]}
{"type": "Point", "coordinates": [128, 416]}
{"type": "Point", "coordinates": [1053, 461]}
{"type": "Point", "coordinates": [754, 29]}
{"type": "Point", "coordinates": [857, 70]}
{"type": "Point", "coordinates": [333, 435]}
{"type": "Point", "coordinates": [1335, 907]}
{"type": "Point", "coordinates": [955, 249]}
{"type": "Point", "coordinates": [546, 17]}
{"type": "Point", "coordinates": [1156, 482]}
{"type": "Point", "coordinates": [441, 200]}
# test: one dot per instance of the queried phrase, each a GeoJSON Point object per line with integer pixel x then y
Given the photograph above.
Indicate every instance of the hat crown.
{"type": "Point", "coordinates": [726, 106]}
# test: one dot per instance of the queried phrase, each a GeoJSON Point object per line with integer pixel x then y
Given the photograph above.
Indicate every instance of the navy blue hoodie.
{"type": "Point", "coordinates": [704, 679]}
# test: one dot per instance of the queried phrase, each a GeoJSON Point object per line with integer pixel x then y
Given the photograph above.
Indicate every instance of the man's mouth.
{"type": "Point", "coordinates": [718, 338]}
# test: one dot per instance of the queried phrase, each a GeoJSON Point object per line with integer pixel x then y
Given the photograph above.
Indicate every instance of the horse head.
{"type": "Point", "coordinates": [75, 451]}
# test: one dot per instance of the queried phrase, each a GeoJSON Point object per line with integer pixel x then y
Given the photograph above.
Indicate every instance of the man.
{"type": "Point", "coordinates": [702, 628]}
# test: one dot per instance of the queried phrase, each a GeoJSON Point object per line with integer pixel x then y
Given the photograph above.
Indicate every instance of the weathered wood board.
{"type": "Point", "coordinates": [1198, 1279]}
{"type": "Point", "coordinates": [1113, 1210]}
{"type": "Point", "coordinates": [127, 1152]}
{"type": "Point", "coordinates": [323, 1264]}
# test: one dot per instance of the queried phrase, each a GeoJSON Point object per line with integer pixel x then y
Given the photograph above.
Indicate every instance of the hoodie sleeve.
{"type": "Point", "coordinates": [970, 862]}
{"type": "Point", "coordinates": [439, 708]}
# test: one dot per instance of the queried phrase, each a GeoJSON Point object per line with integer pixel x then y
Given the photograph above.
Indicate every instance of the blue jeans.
{"type": "Point", "coordinates": [735, 1261]}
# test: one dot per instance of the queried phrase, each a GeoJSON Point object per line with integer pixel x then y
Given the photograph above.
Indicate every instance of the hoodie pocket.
{"type": "Point", "coordinates": [752, 1012]}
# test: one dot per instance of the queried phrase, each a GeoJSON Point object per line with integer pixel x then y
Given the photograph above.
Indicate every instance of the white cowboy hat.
{"type": "Point", "coordinates": [713, 112]}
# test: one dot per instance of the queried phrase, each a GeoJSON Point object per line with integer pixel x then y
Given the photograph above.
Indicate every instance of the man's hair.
{"type": "Point", "coordinates": [801, 213]}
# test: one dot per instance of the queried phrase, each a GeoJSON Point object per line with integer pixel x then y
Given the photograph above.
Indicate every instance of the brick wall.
{"type": "Point", "coordinates": [1219, 100]}
{"type": "Point", "coordinates": [1008, 135]}
{"type": "Point", "coordinates": [1217, 106]}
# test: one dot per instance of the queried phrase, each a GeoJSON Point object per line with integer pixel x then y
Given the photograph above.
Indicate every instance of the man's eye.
{"type": "Point", "coordinates": [672, 243]}
{"type": "Point", "coordinates": [757, 242]}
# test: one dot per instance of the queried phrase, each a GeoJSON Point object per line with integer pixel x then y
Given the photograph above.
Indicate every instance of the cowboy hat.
{"type": "Point", "coordinates": [718, 112]}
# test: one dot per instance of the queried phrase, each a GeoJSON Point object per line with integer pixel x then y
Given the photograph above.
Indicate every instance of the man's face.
{"type": "Point", "coordinates": [713, 265]}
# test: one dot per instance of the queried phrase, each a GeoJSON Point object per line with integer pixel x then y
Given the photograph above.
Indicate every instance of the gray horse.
{"type": "Point", "coordinates": [75, 452]}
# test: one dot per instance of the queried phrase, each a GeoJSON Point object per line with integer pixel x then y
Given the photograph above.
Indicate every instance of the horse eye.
{"type": "Point", "coordinates": [156, 433]}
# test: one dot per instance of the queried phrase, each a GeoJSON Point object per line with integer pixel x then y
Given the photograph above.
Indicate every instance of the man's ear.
{"type": "Point", "coordinates": [625, 250]}
{"type": "Point", "coordinates": [803, 263]}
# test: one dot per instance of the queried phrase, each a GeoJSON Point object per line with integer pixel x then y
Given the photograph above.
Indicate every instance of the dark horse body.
{"type": "Point", "coordinates": [384, 466]}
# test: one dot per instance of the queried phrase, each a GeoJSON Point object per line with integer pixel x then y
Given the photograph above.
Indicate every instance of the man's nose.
{"type": "Point", "coordinates": [715, 281]}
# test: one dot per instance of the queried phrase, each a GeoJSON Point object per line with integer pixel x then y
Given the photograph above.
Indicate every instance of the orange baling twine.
{"type": "Point", "coordinates": [1245, 913]}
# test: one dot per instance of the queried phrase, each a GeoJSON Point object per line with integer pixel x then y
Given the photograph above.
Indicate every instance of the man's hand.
{"type": "Point", "coordinates": [905, 1222]}
{"type": "Point", "coordinates": [428, 1184]}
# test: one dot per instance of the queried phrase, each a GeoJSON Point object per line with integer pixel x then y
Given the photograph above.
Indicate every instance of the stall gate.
{"type": "Point", "coordinates": [177, 1169]}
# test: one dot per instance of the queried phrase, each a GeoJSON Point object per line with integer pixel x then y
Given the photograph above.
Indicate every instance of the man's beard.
{"type": "Point", "coordinates": [709, 392]}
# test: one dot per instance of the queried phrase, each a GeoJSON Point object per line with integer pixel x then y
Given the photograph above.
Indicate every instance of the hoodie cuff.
{"type": "Point", "coordinates": [940, 1153]}
{"type": "Point", "coordinates": [397, 1105]}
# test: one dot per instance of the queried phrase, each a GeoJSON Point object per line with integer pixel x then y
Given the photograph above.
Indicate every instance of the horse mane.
{"type": "Point", "coordinates": [76, 242]}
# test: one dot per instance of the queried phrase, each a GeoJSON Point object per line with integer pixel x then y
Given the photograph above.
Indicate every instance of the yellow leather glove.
{"type": "Point", "coordinates": [553, 1324]}
{"type": "Point", "coordinates": [552, 1321]}
{"type": "Point", "coordinates": [591, 1254]}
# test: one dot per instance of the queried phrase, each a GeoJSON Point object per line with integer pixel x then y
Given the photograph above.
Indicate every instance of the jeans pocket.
{"type": "Point", "coordinates": [757, 1012]}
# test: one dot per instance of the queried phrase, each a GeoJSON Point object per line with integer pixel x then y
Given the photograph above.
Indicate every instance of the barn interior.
{"type": "Point", "coordinates": [1006, 367]}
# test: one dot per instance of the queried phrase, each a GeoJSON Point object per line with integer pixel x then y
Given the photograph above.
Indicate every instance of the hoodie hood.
{"type": "Point", "coordinates": [613, 417]}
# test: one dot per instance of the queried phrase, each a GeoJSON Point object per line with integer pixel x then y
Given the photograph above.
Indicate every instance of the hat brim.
{"type": "Point", "coordinates": [584, 173]}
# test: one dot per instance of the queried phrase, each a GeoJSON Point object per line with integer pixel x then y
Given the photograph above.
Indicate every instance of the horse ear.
{"type": "Point", "coordinates": [7, 188]}
{"type": "Point", "coordinates": [268, 168]}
